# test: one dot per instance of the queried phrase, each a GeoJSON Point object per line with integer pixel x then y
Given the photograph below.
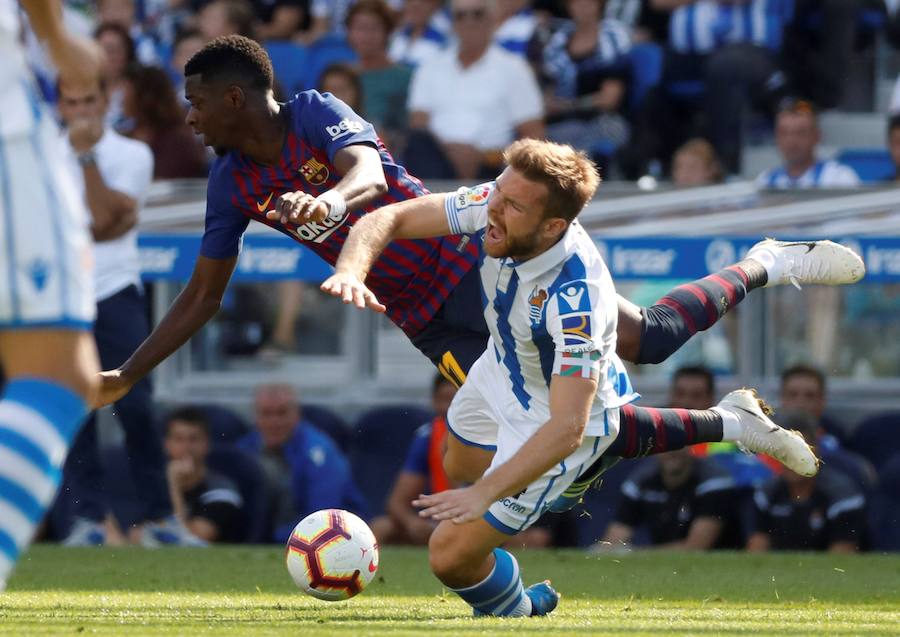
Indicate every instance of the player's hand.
{"type": "Point", "coordinates": [84, 133]}
{"type": "Point", "coordinates": [113, 386]}
{"type": "Point", "coordinates": [178, 470]}
{"type": "Point", "coordinates": [77, 59]}
{"type": "Point", "coordinates": [298, 207]}
{"type": "Point", "coordinates": [352, 290]}
{"type": "Point", "coordinates": [459, 505]}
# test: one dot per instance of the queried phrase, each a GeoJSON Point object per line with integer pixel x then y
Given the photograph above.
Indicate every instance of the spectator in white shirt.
{"type": "Point", "coordinates": [115, 174]}
{"type": "Point", "coordinates": [797, 135]}
{"type": "Point", "coordinates": [470, 102]}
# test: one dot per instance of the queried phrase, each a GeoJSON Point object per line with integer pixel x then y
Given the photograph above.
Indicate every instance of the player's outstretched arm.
{"type": "Point", "coordinates": [77, 59]}
{"type": "Point", "coordinates": [570, 407]}
{"type": "Point", "coordinates": [197, 303]}
{"type": "Point", "coordinates": [412, 219]}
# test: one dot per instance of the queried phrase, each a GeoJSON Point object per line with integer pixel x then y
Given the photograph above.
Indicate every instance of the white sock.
{"type": "Point", "coordinates": [731, 425]}
{"type": "Point", "coordinates": [766, 258]}
{"type": "Point", "coordinates": [523, 608]}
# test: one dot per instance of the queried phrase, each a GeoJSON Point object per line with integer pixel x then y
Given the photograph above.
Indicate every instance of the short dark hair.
{"type": "Point", "coordinates": [192, 415]}
{"type": "Point", "coordinates": [438, 380]}
{"type": "Point", "coordinates": [378, 8]}
{"type": "Point", "coordinates": [122, 32]}
{"type": "Point", "coordinates": [699, 371]}
{"type": "Point", "coordinates": [803, 370]}
{"type": "Point", "coordinates": [154, 97]}
{"type": "Point", "coordinates": [232, 57]}
{"type": "Point", "coordinates": [893, 123]}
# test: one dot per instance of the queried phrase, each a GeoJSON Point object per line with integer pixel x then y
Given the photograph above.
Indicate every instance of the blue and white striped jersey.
{"type": "Point", "coordinates": [825, 173]}
{"type": "Point", "coordinates": [706, 25]}
{"type": "Point", "coordinates": [553, 314]}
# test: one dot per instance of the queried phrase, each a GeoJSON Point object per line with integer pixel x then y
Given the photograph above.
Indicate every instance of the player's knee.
{"type": "Point", "coordinates": [446, 553]}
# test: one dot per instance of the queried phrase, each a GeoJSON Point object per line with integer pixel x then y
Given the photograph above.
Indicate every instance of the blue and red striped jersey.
{"type": "Point", "coordinates": [412, 277]}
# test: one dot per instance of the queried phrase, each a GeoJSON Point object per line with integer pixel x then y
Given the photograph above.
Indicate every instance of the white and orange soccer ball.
{"type": "Point", "coordinates": [332, 554]}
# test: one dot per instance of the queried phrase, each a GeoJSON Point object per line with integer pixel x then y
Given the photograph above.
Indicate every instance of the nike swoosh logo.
{"type": "Point", "coordinates": [372, 567]}
{"type": "Point", "coordinates": [809, 245]}
{"type": "Point", "coordinates": [262, 207]}
{"type": "Point", "coordinates": [747, 411]}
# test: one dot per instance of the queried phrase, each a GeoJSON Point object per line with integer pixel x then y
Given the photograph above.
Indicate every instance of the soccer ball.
{"type": "Point", "coordinates": [332, 555]}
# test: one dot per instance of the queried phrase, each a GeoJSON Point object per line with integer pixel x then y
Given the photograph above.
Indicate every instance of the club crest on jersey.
{"type": "Point", "coordinates": [536, 304]}
{"type": "Point", "coordinates": [472, 196]}
{"type": "Point", "coordinates": [314, 171]}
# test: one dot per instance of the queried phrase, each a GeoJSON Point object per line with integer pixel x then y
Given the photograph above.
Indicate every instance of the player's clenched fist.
{"type": "Point", "coordinates": [298, 207]}
{"type": "Point", "coordinates": [351, 290]}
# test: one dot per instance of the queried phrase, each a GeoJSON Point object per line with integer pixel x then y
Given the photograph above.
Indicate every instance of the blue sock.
{"type": "Point", "coordinates": [38, 419]}
{"type": "Point", "coordinates": [501, 593]}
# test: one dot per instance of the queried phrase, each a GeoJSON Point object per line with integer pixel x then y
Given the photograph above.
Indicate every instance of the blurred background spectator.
{"type": "Point", "coordinates": [685, 503]}
{"type": "Point", "coordinates": [893, 135]}
{"type": "Point", "coordinates": [226, 17]}
{"type": "Point", "coordinates": [119, 54]}
{"type": "Point", "coordinates": [206, 502]}
{"type": "Point", "coordinates": [695, 164]}
{"type": "Point", "coordinates": [114, 175]}
{"type": "Point", "coordinates": [794, 513]}
{"type": "Point", "coordinates": [385, 84]}
{"type": "Point", "coordinates": [797, 135]}
{"type": "Point", "coordinates": [423, 31]}
{"type": "Point", "coordinates": [470, 102]}
{"type": "Point", "coordinates": [585, 70]}
{"type": "Point", "coordinates": [157, 119]}
{"type": "Point", "coordinates": [304, 469]}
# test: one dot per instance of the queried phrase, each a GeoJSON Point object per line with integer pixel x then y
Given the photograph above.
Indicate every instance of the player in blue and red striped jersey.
{"type": "Point", "coordinates": [311, 168]}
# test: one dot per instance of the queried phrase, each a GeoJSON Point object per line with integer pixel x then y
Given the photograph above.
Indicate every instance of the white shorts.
{"type": "Point", "coordinates": [477, 419]}
{"type": "Point", "coordinates": [45, 248]}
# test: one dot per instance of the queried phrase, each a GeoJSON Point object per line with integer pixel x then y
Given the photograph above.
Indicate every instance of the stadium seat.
{"type": "Point", "coordinates": [322, 54]}
{"type": "Point", "coordinates": [290, 62]}
{"type": "Point", "coordinates": [873, 165]}
{"type": "Point", "coordinates": [646, 70]}
{"type": "Point", "coordinates": [381, 440]}
{"type": "Point", "coordinates": [246, 473]}
{"type": "Point", "coordinates": [884, 508]}
{"type": "Point", "coordinates": [225, 426]}
{"type": "Point", "coordinates": [876, 438]}
{"type": "Point", "coordinates": [330, 423]}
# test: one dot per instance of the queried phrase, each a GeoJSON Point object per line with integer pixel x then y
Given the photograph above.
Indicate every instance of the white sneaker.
{"type": "Point", "coordinates": [761, 435]}
{"type": "Point", "coordinates": [813, 262]}
{"type": "Point", "coordinates": [85, 532]}
{"type": "Point", "coordinates": [168, 532]}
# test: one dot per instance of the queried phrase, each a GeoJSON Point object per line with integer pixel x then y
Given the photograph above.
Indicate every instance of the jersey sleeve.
{"type": "Point", "coordinates": [223, 231]}
{"type": "Point", "coordinates": [576, 320]}
{"type": "Point", "coordinates": [715, 498]}
{"type": "Point", "coordinates": [330, 124]}
{"type": "Point", "coordinates": [847, 519]}
{"type": "Point", "coordinates": [417, 456]}
{"type": "Point", "coordinates": [467, 208]}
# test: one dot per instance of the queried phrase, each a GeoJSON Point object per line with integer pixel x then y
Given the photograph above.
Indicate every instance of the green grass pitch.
{"type": "Point", "coordinates": [247, 591]}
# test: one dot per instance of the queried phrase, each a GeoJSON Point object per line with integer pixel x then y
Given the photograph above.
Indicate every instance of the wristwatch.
{"type": "Point", "coordinates": [88, 158]}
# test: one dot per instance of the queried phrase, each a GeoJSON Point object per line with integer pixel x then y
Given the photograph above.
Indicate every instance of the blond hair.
{"type": "Point", "coordinates": [570, 177]}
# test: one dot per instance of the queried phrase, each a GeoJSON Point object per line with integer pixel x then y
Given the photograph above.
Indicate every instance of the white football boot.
{"type": "Point", "coordinates": [761, 435]}
{"type": "Point", "coordinates": [812, 262]}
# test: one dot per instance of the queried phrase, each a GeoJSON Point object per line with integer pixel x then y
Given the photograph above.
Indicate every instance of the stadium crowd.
{"type": "Point", "coordinates": [664, 87]}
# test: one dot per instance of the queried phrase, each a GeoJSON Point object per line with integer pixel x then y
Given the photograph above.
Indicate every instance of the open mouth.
{"type": "Point", "coordinates": [494, 234]}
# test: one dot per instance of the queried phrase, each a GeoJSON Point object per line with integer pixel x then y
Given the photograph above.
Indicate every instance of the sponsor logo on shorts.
{"type": "Point", "coordinates": [343, 128]}
{"type": "Point", "coordinates": [513, 506]}
{"type": "Point", "coordinates": [314, 171]}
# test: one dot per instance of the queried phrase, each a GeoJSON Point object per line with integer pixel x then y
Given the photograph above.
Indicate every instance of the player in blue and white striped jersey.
{"type": "Point", "coordinates": [548, 394]}
{"type": "Point", "coordinates": [46, 299]}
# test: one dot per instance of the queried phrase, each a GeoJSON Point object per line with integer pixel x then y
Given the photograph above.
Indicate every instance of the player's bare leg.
{"type": "Point", "coordinates": [468, 560]}
{"type": "Point", "coordinates": [464, 463]}
{"type": "Point", "coordinates": [52, 377]}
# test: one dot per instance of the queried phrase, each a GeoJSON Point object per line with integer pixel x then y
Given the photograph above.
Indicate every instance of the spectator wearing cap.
{"type": "Point", "coordinates": [826, 512]}
{"type": "Point", "coordinates": [469, 102]}
{"type": "Point", "coordinates": [797, 135]}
